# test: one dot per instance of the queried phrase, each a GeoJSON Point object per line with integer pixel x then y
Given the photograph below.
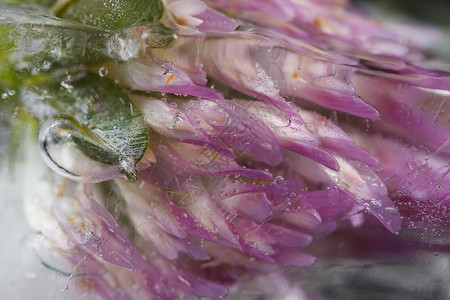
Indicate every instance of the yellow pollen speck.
{"type": "Point", "coordinates": [322, 25]}
{"type": "Point", "coordinates": [62, 188]}
{"type": "Point", "coordinates": [85, 283]}
{"type": "Point", "coordinates": [169, 79]}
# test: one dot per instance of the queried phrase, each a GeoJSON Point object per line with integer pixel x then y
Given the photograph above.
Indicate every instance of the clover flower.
{"type": "Point", "coordinates": [199, 144]}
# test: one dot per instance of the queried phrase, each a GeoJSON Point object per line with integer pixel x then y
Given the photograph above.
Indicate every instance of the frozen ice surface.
{"type": "Point", "coordinates": [22, 275]}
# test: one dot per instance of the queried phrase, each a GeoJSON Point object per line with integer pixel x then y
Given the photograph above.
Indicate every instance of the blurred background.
{"type": "Point", "coordinates": [431, 11]}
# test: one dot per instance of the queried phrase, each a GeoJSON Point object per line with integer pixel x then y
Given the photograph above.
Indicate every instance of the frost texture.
{"type": "Point", "coordinates": [306, 120]}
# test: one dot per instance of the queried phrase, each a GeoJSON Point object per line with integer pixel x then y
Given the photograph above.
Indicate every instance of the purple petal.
{"type": "Point", "coordinates": [170, 121]}
{"type": "Point", "coordinates": [282, 191]}
{"type": "Point", "coordinates": [183, 54]}
{"type": "Point", "coordinates": [314, 153]}
{"type": "Point", "coordinates": [92, 228]}
{"type": "Point", "coordinates": [155, 220]}
{"type": "Point", "coordinates": [308, 219]}
{"type": "Point", "coordinates": [281, 10]}
{"type": "Point", "coordinates": [417, 180]}
{"type": "Point", "coordinates": [231, 125]}
{"type": "Point", "coordinates": [255, 206]}
{"type": "Point", "coordinates": [229, 60]}
{"type": "Point", "coordinates": [150, 204]}
{"type": "Point", "coordinates": [338, 208]}
{"type": "Point", "coordinates": [359, 180]}
{"type": "Point", "coordinates": [215, 22]}
{"type": "Point", "coordinates": [292, 257]}
{"type": "Point", "coordinates": [315, 199]}
{"type": "Point", "coordinates": [404, 109]}
{"type": "Point", "coordinates": [286, 237]}
{"type": "Point", "coordinates": [205, 161]}
{"type": "Point", "coordinates": [216, 220]}
{"type": "Point", "coordinates": [373, 195]}
{"type": "Point", "coordinates": [165, 77]}
{"type": "Point", "coordinates": [291, 135]}
{"type": "Point", "coordinates": [202, 287]}
{"type": "Point", "coordinates": [334, 138]}
{"type": "Point", "coordinates": [322, 82]}
{"type": "Point", "coordinates": [78, 285]}
{"type": "Point", "coordinates": [189, 224]}
{"type": "Point", "coordinates": [170, 170]}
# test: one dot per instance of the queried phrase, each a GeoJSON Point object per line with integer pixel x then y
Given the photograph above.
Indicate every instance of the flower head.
{"type": "Point", "coordinates": [217, 154]}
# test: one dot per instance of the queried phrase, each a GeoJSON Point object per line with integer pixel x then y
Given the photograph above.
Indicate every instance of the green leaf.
{"type": "Point", "coordinates": [104, 124]}
{"type": "Point", "coordinates": [36, 4]}
{"type": "Point", "coordinates": [110, 14]}
{"type": "Point", "coordinates": [39, 42]}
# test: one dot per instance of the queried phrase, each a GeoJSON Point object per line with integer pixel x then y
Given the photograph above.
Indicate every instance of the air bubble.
{"type": "Point", "coordinates": [103, 71]}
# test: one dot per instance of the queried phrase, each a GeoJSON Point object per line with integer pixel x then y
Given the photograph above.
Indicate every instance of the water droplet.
{"type": "Point", "coordinates": [252, 245]}
{"type": "Point", "coordinates": [57, 143]}
{"type": "Point", "coordinates": [366, 208]}
{"type": "Point", "coordinates": [176, 119]}
{"type": "Point", "coordinates": [202, 244]}
{"type": "Point", "coordinates": [278, 178]}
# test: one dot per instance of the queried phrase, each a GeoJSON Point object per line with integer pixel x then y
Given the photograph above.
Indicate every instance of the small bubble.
{"type": "Point", "coordinates": [375, 203]}
{"type": "Point", "coordinates": [103, 71]}
{"type": "Point", "coordinates": [252, 244]}
{"type": "Point", "coordinates": [278, 178]}
{"type": "Point", "coordinates": [67, 86]}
